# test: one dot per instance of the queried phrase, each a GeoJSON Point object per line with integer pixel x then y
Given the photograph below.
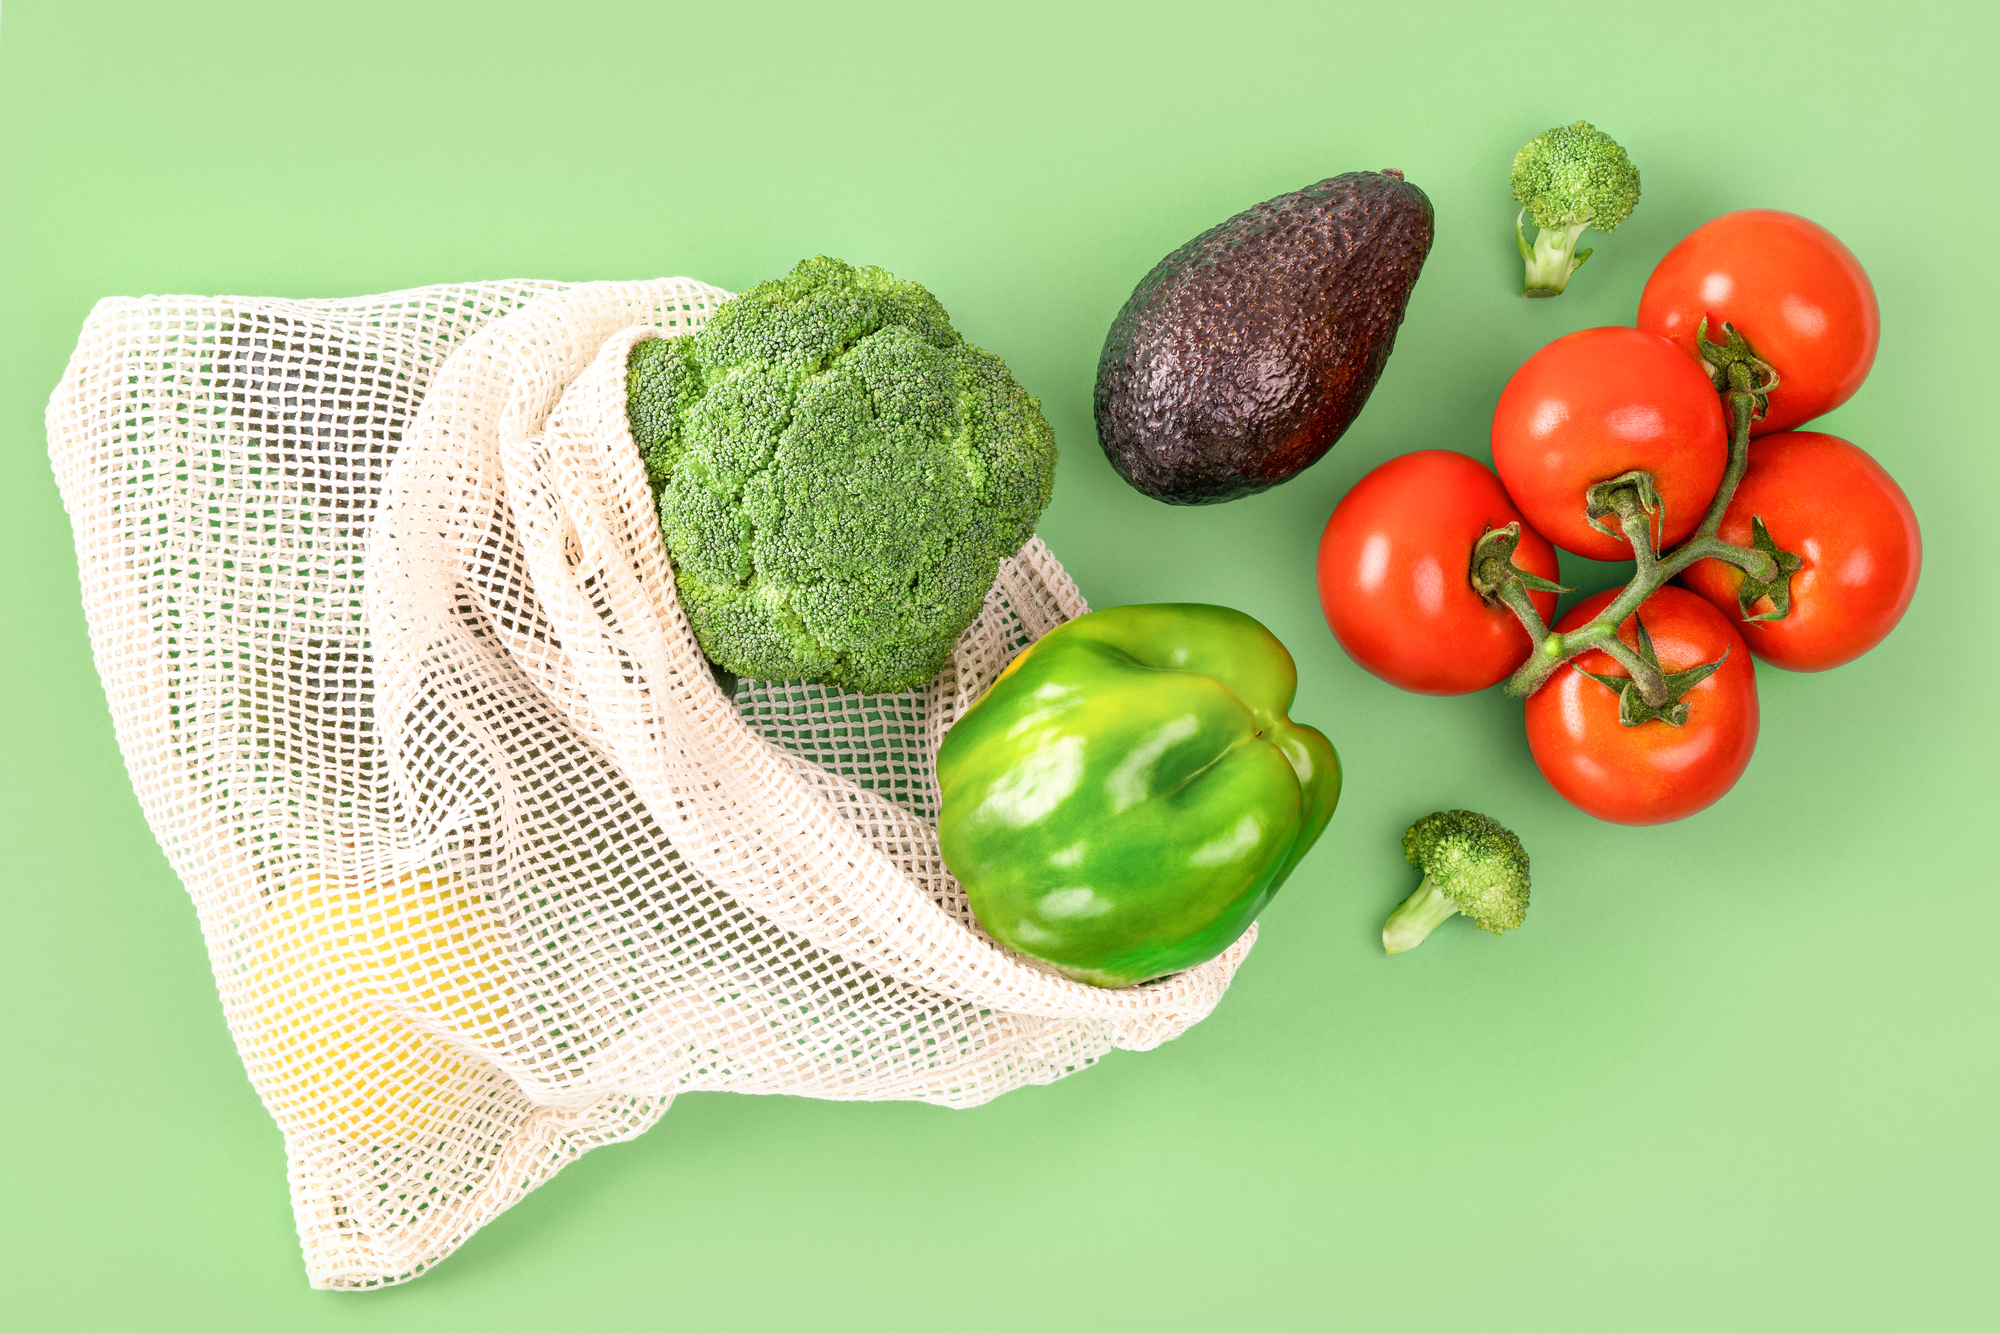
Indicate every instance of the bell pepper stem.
{"type": "Point", "coordinates": [1410, 924]}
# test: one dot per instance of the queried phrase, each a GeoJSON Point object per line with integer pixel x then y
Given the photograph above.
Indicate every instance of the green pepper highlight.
{"type": "Point", "coordinates": [1130, 793]}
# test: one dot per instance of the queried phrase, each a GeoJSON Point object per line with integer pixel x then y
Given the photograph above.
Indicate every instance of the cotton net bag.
{"type": "Point", "coordinates": [488, 865]}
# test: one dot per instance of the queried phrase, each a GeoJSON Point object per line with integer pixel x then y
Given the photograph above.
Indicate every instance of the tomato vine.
{"type": "Point", "coordinates": [1745, 381]}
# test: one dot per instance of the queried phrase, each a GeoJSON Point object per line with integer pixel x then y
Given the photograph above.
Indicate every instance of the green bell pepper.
{"type": "Point", "coordinates": [1127, 796]}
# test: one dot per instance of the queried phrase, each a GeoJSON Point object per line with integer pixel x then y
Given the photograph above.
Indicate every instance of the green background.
{"type": "Point", "coordinates": [1736, 1072]}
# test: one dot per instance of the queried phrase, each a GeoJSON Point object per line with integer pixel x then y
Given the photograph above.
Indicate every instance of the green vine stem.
{"type": "Point", "coordinates": [1745, 382]}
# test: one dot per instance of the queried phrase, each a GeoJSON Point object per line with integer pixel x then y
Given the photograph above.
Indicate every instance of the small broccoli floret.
{"type": "Point", "coordinates": [1572, 177]}
{"type": "Point", "coordinates": [1472, 865]}
{"type": "Point", "coordinates": [839, 476]}
{"type": "Point", "coordinates": [673, 383]}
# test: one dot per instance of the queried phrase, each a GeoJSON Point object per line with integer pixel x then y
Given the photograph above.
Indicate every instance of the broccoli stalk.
{"type": "Point", "coordinates": [1571, 178]}
{"type": "Point", "coordinates": [1472, 865]}
{"type": "Point", "coordinates": [1551, 258]}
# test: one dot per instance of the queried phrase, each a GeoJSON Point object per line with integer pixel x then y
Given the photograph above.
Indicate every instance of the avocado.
{"type": "Point", "coordinates": [1242, 357]}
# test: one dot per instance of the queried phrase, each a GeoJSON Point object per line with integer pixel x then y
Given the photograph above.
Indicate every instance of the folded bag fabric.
{"type": "Point", "coordinates": [488, 866]}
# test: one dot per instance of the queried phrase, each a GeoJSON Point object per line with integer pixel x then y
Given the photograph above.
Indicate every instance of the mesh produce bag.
{"type": "Point", "coordinates": [488, 865]}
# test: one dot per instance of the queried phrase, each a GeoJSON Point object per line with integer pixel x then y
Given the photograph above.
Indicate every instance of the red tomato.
{"type": "Point", "coordinates": [1652, 773]}
{"type": "Point", "coordinates": [1790, 287]}
{"type": "Point", "coordinates": [1394, 566]}
{"type": "Point", "coordinates": [1833, 506]}
{"type": "Point", "coordinates": [1594, 405]}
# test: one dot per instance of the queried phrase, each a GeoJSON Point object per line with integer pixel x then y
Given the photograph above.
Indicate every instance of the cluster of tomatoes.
{"type": "Point", "coordinates": [1395, 560]}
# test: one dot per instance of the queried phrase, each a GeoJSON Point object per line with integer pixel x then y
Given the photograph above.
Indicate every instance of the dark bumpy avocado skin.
{"type": "Point", "coordinates": [1243, 355]}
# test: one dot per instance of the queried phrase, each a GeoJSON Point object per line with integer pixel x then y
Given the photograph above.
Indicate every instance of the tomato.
{"type": "Point", "coordinates": [1830, 504]}
{"type": "Point", "coordinates": [1652, 773]}
{"type": "Point", "coordinates": [1394, 567]}
{"type": "Point", "coordinates": [1790, 287]}
{"type": "Point", "coordinates": [1594, 405]}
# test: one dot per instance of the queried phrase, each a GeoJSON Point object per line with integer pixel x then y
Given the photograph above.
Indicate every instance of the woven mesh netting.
{"type": "Point", "coordinates": [488, 866]}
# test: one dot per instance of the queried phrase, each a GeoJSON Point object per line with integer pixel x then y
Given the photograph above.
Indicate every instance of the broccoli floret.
{"type": "Point", "coordinates": [1572, 177]}
{"type": "Point", "coordinates": [839, 475]}
{"type": "Point", "coordinates": [1471, 865]}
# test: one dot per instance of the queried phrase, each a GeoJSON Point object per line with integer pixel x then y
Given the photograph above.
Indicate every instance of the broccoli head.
{"type": "Point", "coordinates": [1472, 865]}
{"type": "Point", "coordinates": [1572, 177]}
{"type": "Point", "coordinates": [839, 475]}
